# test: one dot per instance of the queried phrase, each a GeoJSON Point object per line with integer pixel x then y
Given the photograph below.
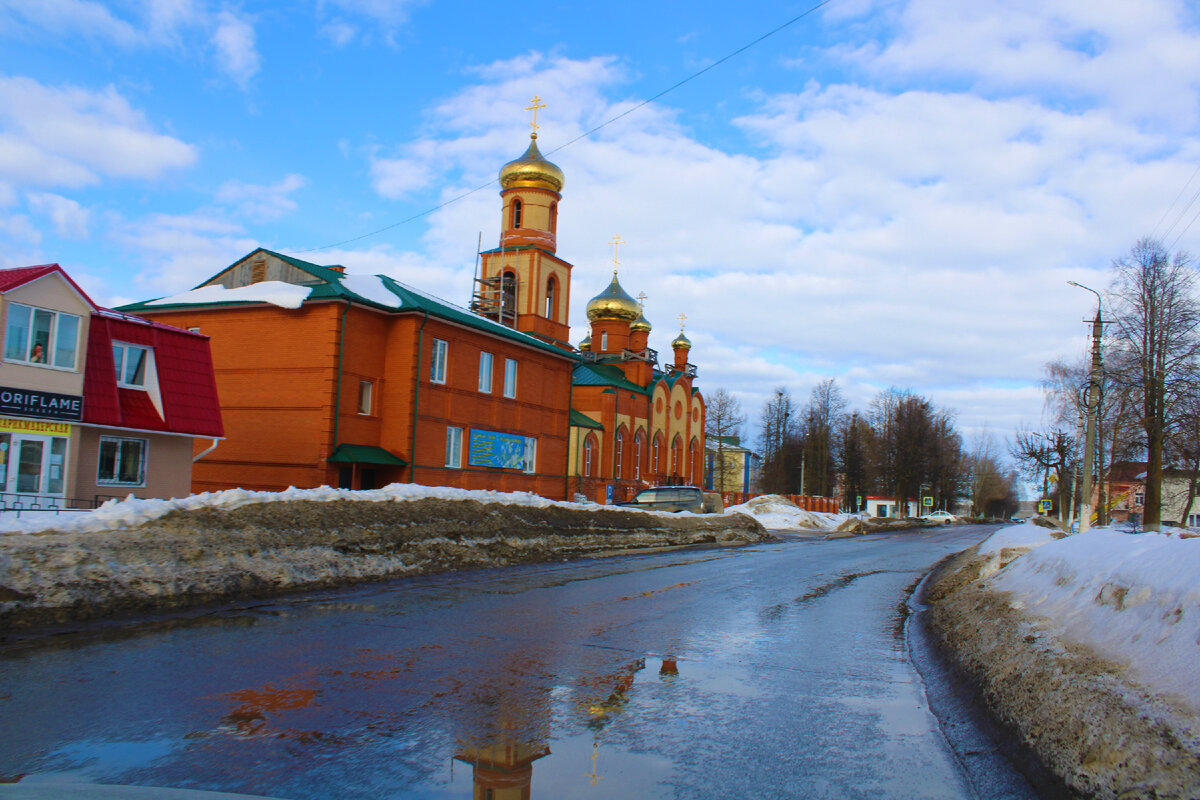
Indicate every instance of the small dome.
{"type": "Point", "coordinates": [640, 324]}
{"type": "Point", "coordinates": [531, 170]}
{"type": "Point", "coordinates": [681, 342]}
{"type": "Point", "coordinates": [586, 344]}
{"type": "Point", "coordinates": [613, 303]}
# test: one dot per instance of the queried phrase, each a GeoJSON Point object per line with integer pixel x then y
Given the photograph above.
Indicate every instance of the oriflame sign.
{"type": "Point", "coordinates": [43, 405]}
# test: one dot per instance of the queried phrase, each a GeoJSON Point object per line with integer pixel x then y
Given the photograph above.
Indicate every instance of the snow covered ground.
{"type": "Point", "coordinates": [131, 512]}
{"type": "Point", "coordinates": [1131, 598]}
{"type": "Point", "coordinates": [779, 514]}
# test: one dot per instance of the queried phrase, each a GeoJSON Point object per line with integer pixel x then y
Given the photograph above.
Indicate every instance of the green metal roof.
{"type": "Point", "coordinates": [364, 454]}
{"type": "Point", "coordinates": [331, 287]}
{"type": "Point", "coordinates": [604, 375]}
{"type": "Point", "coordinates": [581, 420]}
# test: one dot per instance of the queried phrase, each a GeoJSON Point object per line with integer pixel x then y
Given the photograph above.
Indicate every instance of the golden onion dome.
{"type": "Point", "coordinates": [613, 303]}
{"type": "Point", "coordinates": [531, 170]}
{"type": "Point", "coordinates": [681, 342]}
{"type": "Point", "coordinates": [586, 344]}
{"type": "Point", "coordinates": [640, 324]}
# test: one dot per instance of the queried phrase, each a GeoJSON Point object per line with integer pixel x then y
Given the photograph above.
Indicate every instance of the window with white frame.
{"type": "Point", "coordinates": [530, 457]}
{"type": "Point", "coordinates": [637, 457]}
{"type": "Point", "coordinates": [122, 462]}
{"type": "Point", "coordinates": [437, 364]}
{"type": "Point", "coordinates": [587, 458]}
{"type": "Point", "coordinates": [485, 372]}
{"type": "Point", "coordinates": [510, 377]}
{"type": "Point", "coordinates": [129, 361]}
{"type": "Point", "coordinates": [454, 440]}
{"type": "Point", "coordinates": [41, 336]}
{"type": "Point", "coordinates": [366, 390]}
{"type": "Point", "coordinates": [620, 454]}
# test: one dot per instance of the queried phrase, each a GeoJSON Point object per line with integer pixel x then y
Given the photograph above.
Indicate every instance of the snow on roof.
{"type": "Point", "coordinates": [1131, 598]}
{"type": "Point", "coordinates": [372, 287]}
{"type": "Point", "coordinates": [277, 293]}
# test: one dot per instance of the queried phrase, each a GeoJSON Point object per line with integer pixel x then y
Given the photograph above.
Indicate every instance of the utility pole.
{"type": "Point", "coordinates": [1091, 397]}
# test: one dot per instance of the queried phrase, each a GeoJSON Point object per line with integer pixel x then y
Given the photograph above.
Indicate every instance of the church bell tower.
{"type": "Point", "coordinates": [522, 283]}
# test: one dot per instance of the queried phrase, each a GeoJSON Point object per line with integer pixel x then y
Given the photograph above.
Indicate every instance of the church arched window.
{"type": "Point", "coordinates": [638, 441]}
{"type": "Point", "coordinates": [588, 454]}
{"type": "Point", "coordinates": [551, 297]}
{"type": "Point", "coordinates": [604, 341]}
{"type": "Point", "coordinates": [553, 217]}
{"type": "Point", "coordinates": [508, 291]}
{"type": "Point", "coordinates": [516, 213]}
{"type": "Point", "coordinates": [620, 455]}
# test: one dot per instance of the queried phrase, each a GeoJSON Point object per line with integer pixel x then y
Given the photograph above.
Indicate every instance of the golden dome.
{"type": "Point", "coordinates": [586, 344]}
{"type": "Point", "coordinates": [531, 170]}
{"type": "Point", "coordinates": [613, 303]}
{"type": "Point", "coordinates": [681, 342]}
{"type": "Point", "coordinates": [640, 324]}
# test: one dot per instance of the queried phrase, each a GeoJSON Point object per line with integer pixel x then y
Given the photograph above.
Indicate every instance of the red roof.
{"type": "Point", "coordinates": [19, 276]}
{"type": "Point", "coordinates": [186, 382]}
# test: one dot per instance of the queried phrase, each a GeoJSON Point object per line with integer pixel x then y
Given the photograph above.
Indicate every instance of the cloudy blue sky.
{"type": "Point", "coordinates": [891, 193]}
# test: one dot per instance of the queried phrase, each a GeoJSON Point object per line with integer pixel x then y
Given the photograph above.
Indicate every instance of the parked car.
{"type": "Point", "coordinates": [668, 498]}
{"type": "Point", "coordinates": [939, 518]}
{"type": "Point", "coordinates": [1017, 520]}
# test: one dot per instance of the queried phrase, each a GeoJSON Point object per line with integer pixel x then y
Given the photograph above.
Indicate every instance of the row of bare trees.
{"type": "Point", "coordinates": [1148, 403]}
{"type": "Point", "coordinates": [903, 446]}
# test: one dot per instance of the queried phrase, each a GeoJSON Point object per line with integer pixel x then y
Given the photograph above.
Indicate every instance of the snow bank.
{"type": "Point", "coordinates": [132, 512]}
{"type": "Point", "coordinates": [1026, 536]}
{"type": "Point", "coordinates": [780, 514]}
{"type": "Point", "coordinates": [159, 555]}
{"type": "Point", "coordinates": [1086, 645]}
{"type": "Point", "coordinates": [1131, 598]}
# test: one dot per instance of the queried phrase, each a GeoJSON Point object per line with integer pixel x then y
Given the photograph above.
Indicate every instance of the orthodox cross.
{"type": "Point", "coordinates": [616, 243]}
{"type": "Point", "coordinates": [682, 320]}
{"type": "Point", "coordinates": [642, 300]}
{"type": "Point", "coordinates": [537, 103]}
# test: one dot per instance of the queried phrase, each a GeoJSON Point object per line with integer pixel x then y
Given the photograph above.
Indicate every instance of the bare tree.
{"type": "Point", "coordinates": [1155, 316]}
{"type": "Point", "coordinates": [776, 434]}
{"type": "Point", "coordinates": [723, 427]}
{"type": "Point", "coordinates": [1041, 454]}
{"type": "Point", "coordinates": [855, 444]}
{"type": "Point", "coordinates": [824, 411]}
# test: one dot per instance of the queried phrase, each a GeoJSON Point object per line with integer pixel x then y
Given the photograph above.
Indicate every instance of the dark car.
{"type": "Point", "coordinates": [668, 498]}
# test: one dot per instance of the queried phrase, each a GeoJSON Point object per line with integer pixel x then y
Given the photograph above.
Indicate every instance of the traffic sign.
{"type": "Point", "coordinates": [1044, 506]}
{"type": "Point", "coordinates": [927, 502]}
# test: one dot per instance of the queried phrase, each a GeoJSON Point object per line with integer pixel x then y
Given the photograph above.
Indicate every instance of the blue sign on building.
{"type": "Point", "coordinates": [500, 450]}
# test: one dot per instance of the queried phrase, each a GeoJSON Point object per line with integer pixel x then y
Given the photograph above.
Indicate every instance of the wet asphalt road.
{"type": "Point", "coordinates": [779, 670]}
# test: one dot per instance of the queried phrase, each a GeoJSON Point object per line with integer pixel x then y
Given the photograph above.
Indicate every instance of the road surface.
{"type": "Point", "coordinates": [778, 670]}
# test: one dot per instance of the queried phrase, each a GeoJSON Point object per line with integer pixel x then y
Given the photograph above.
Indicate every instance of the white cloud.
{"type": "Point", "coordinates": [389, 13]}
{"type": "Point", "coordinates": [339, 32]}
{"type": "Point", "coordinates": [74, 137]}
{"type": "Point", "coordinates": [20, 228]}
{"type": "Point", "coordinates": [920, 238]}
{"type": "Point", "coordinates": [182, 250]}
{"type": "Point", "coordinates": [262, 203]}
{"type": "Point", "coordinates": [234, 42]}
{"type": "Point", "coordinates": [81, 17]}
{"type": "Point", "coordinates": [70, 219]}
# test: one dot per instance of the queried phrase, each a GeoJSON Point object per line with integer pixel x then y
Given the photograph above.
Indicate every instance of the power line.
{"type": "Point", "coordinates": [1173, 202]}
{"type": "Point", "coordinates": [583, 135]}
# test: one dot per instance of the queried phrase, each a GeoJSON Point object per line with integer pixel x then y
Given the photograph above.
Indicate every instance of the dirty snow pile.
{"type": "Point", "coordinates": [780, 514]}
{"type": "Point", "coordinates": [1134, 599]}
{"type": "Point", "coordinates": [132, 512]}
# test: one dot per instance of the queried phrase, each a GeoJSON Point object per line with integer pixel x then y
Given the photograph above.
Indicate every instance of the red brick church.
{"type": "Point", "coordinates": [351, 380]}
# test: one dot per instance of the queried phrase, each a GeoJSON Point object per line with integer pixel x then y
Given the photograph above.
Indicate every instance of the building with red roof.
{"type": "Point", "coordinates": [94, 403]}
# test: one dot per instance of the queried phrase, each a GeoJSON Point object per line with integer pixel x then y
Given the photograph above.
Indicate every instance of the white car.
{"type": "Point", "coordinates": [939, 518]}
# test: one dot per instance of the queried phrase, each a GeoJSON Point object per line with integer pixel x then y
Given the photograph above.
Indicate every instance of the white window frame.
{"type": "Point", "coordinates": [366, 397]}
{"type": "Point", "coordinates": [486, 367]}
{"type": "Point", "coordinates": [117, 442]}
{"type": "Point", "coordinates": [454, 446]}
{"type": "Point", "coordinates": [620, 454]}
{"type": "Point", "coordinates": [437, 361]}
{"type": "Point", "coordinates": [50, 356]}
{"type": "Point", "coordinates": [510, 377]}
{"type": "Point", "coordinates": [530, 457]}
{"type": "Point", "coordinates": [588, 452]}
{"type": "Point", "coordinates": [119, 363]}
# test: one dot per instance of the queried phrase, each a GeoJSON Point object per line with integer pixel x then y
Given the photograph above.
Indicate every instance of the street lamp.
{"type": "Point", "coordinates": [1092, 399]}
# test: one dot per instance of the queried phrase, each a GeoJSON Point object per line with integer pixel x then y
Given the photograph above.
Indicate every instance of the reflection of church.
{"type": "Point", "coordinates": [502, 771]}
{"type": "Point", "coordinates": [331, 377]}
